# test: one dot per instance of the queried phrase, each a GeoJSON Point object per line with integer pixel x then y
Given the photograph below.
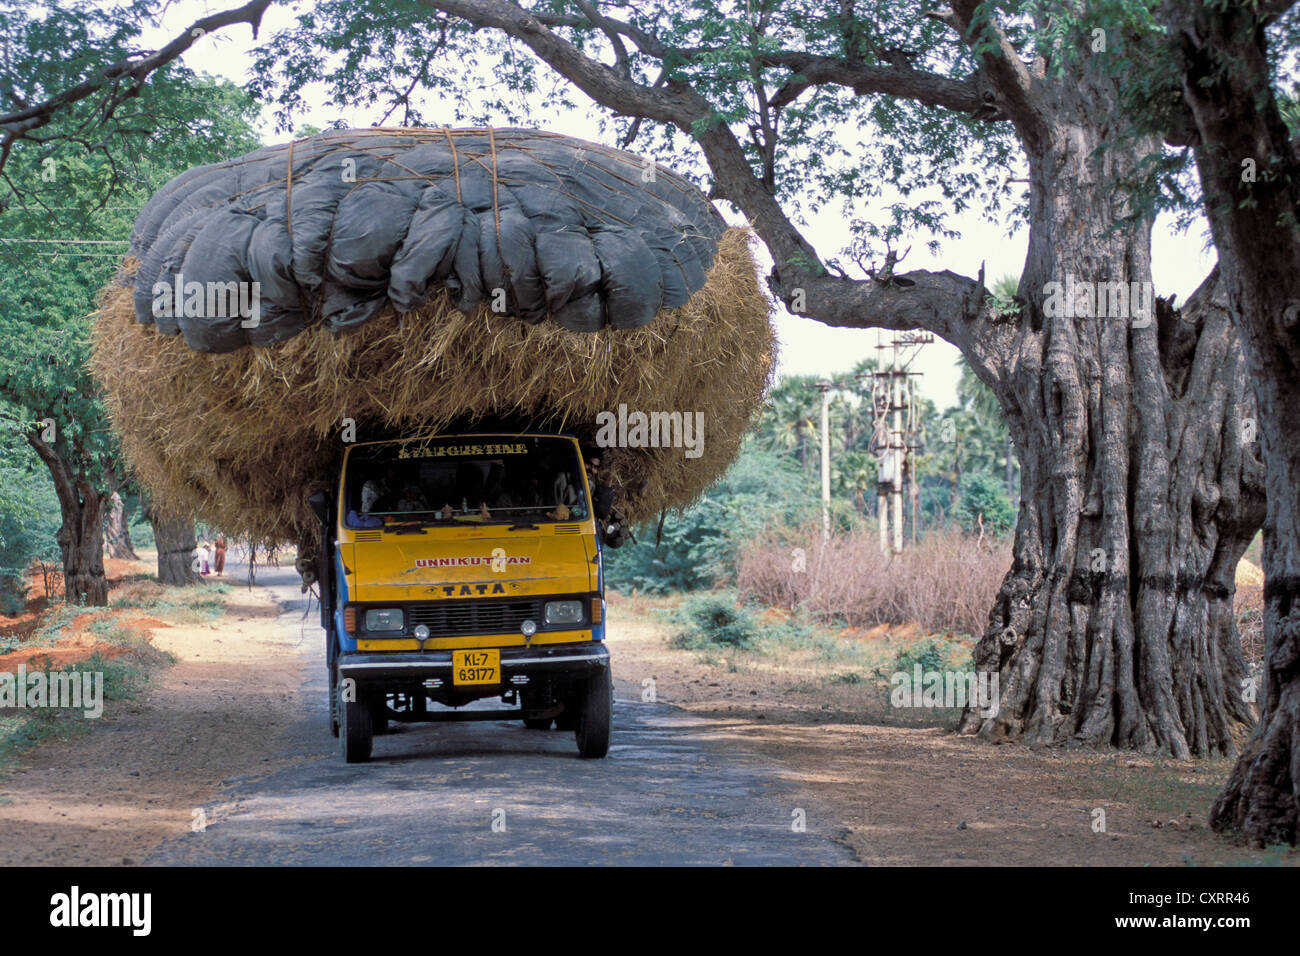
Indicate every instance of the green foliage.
{"type": "Point", "coordinates": [67, 203]}
{"type": "Point", "coordinates": [932, 653]}
{"type": "Point", "coordinates": [393, 58]}
{"type": "Point", "coordinates": [697, 547]}
{"type": "Point", "coordinates": [29, 522]}
{"type": "Point", "coordinates": [982, 497]}
{"type": "Point", "coordinates": [713, 619]}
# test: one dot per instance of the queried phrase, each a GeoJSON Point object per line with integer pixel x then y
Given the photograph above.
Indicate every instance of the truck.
{"type": "Point", "coordinates": [461, 567]}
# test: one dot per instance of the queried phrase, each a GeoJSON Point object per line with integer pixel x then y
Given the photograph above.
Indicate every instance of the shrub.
{"type": "Point", "coordinates": [29, 525]}
{"type": "Point", "coordinates": [933, 654]}
{"type": "Point", "coordinates": [714, 620]}
{"type": "Point", "coordinates": [945, 583]}
{"type": "Point", "coordinates": [698, 547]}
{"type": "Point", "coordinates": [982, 496]}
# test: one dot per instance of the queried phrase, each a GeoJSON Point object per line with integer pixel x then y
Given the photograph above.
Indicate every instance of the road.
{"type": "Point", "coordinates": [675, 789]}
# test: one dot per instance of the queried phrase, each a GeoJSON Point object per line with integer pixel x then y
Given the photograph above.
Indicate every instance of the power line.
{"type": "Point", "coordinates": [88, 242]}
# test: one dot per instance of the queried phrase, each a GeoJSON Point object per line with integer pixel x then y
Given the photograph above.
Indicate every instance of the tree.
{"type": "Point", "coordinates": [117, 530]}
{"type": "Point", "coordinates": [791, 418]}
{"type": "Point", "coordinates": [88, 97]}
{"type": "Point", "coordinates": [1249, 165]}
{"type": "Point", "coordinates": [43, 380]}
{"type": "Point", "coordinates": [67, 212]}
{"type": "Point", "coordinates": [1140, 490]}
{"type": "Point", "coordinates": [175, 541]}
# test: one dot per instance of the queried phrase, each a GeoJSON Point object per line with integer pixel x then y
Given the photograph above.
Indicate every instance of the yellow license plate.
{"type": "Point", "coordinates": [476, 667]}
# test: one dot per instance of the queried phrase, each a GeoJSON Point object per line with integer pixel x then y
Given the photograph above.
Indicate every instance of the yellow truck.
{"type": "Point", "coordinates": [463, 567]}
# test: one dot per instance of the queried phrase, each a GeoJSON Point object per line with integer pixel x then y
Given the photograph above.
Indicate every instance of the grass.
{"type": "Point", "coordinates": [198, 604]}
{"type": "Point", "coordinates": [1277, 854]}
{"type": "Point", "coordinates": [125, 673]}
{"type": "Point", "coordinates": [1161, 789]}
{"type": "Point", "coordinates": [807, 656]}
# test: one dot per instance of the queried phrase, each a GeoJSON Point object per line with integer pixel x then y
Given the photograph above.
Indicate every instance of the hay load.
{"type": "Point", "coordinates": [569, 280]}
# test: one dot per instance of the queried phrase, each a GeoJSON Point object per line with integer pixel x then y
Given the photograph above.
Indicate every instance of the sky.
{"type": "Point", "coordinates": [1179, 261]}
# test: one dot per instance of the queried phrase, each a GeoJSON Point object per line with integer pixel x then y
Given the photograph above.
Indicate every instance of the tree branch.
{"type": "Point", "coordinates": [621, 65]}
{"type": "Point", "coordinates": [63, 484]}
{"type": "Point", "coordinates": [950, 305]}
{"type": "Point", "coordinates": [930, 89]}
{"type": "Point", "coordinates": [1016, 86]}
{"type": "Point", "coordinates": [123, 79]}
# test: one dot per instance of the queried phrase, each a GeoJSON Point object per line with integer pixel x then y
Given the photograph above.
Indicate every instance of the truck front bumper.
{"type": "Point", "coordinates": [519, 665]}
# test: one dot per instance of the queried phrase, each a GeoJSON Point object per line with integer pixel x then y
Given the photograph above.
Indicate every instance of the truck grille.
{"type": "Point", "coordinates": [458, 618]}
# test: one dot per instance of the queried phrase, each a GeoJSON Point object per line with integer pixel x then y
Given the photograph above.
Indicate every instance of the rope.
{"type": "Point", "coordinates": [455, 159]}
{"type": "Point", "coordinates": [356, 144]}
{"type": "Point", "coordinates": [288, 194]}
{"type": "Point", "coordinates": [496, 205]}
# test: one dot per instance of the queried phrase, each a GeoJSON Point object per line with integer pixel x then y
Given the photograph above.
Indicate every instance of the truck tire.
{"type": "Point", "coordinates": [379, 715]}
{"type": "Point", "coordinates": [356, 734]}
{"type": "Point", "coordinates": [595, 716]}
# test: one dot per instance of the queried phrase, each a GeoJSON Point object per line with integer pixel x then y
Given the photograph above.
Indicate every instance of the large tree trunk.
{"type": "Point", "coordinates": [81, 539]}
{"type": "Point", "coordinates": [117, 531]}
{"type": "Point", "coordinates": [81, 536]}
{"type": "Point", "coordinates": [1138, 491]}
{"type": "Point", "coordinates": [1250, 174]}
{"type": "Point", "coordinates": [175, 540]}
{"type": "Point", "coordinates": [1009, 467]}
{"type": "Point", "coordinates": [1139, 495]}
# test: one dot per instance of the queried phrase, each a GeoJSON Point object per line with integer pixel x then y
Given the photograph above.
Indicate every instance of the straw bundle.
{"type": "Point", "coordinates": [240, 439]}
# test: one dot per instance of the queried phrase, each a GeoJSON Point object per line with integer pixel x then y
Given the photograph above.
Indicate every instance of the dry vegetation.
{"type": "Point", "coordinates": [944, 584]}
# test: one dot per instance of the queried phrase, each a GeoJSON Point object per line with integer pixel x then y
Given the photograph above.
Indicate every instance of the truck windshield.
{"type": "Point", "coordinates": [497, 479]}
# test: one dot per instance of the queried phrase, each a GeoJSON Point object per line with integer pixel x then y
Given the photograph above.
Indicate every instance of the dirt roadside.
{"type": "Point", "coordinates": [922, 796]}
{"type": "Point", "coordinates": [107, 796]}
{"type": "Point", "coordinates": [902, 794]}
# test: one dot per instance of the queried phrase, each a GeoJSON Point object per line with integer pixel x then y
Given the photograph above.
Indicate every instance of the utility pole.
{"type": "Point", "coordinates": [826, 460]}
{"type": "Point", "coordinates": [893, 438]}
{"type": "Point", "coordinates": [896, 377]}
{"type": "Point", "coordinates": [824, 387]}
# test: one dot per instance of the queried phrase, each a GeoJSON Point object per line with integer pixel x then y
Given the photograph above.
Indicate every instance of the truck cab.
{"type": "Point", "coordinates": [461, 567]}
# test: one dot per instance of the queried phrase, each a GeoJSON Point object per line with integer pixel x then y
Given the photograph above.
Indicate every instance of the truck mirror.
{"type": "Point", "coordinates": [319, 504]}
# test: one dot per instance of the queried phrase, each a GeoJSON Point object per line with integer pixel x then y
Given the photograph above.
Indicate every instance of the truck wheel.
{"type": "Point", "coordinates": [356, 734]}
{"type": "Point", "coordinates": [334, 699]}
{"type": "Point", "coordinates": [379, 714]}
{"type": "Point", "coordinates": [595, 716]}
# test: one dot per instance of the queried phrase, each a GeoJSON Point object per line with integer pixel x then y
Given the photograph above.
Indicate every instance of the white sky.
{"type": "Point", "coordinates": [1179, 262]}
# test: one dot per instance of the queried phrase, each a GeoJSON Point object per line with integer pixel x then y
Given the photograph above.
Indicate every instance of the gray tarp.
{"type": "Point", "coordinates": [542, 224]}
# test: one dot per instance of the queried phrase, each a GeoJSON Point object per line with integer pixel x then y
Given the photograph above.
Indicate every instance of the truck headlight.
{"type": "Point", "coordinates": [384, 619]}
{"type": "Point", "coordinates": [563, 612]}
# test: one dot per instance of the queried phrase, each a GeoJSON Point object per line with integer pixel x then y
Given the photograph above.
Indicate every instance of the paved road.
{"type": "Point", "coordinates": [673, 790]}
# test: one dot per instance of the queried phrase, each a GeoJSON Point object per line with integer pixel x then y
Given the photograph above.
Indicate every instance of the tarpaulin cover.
{"type": "Point", "coordinates": [333, 228]}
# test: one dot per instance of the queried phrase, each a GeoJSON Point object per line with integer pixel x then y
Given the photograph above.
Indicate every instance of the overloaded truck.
{"type": "Point", "coordinates": [453, 298]}
{"type": "Point", "coordinates": [458, 568]}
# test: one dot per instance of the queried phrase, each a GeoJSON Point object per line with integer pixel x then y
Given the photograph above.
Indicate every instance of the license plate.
{"type": "Point", "coordinates": [476, 667]}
